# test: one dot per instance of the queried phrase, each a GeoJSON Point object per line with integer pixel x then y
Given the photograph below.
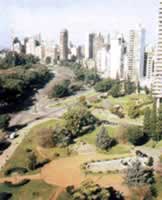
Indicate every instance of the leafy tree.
{"type": "Point", "coordinates": [32, 161]}
{"type": "Point", "coordinates": [78, 120]}
{"type": "Point", "coordinates": [137, 175]}
{"type": "Point", "coordinates": [135, 135]}
{"type": "Point", "coordinates": [48, 60]}
{"type": "Point", "coordinates": [159, 125]}
{"type": "Point", "coordinates": [104, 85]}
{"type": "Point", "coordinates": [61, 136]}
{"type": "Point", "coordinates": [129, 87]}
{"type": "Point", "coordinates": [116, 90]}
{"type": "Point", "coordinates": [153, 121]}
{"type": "Point", "coordinates": [61, 90]}
{"type": "Point", "coordinates": [103, 140]}
{"type": "Point", "coordinates": [4, 121]}
{"type": "Point", "coordinates": [89, 190]}
{"type": "Point", "coordinates": [146, 123]}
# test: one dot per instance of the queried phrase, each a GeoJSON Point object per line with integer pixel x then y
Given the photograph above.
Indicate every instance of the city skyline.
{"type": "Point", "coordinates": [23, 18]}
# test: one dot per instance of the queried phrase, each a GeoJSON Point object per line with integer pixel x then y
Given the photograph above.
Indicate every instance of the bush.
{"type": "Point", "coordinates": [61, 90]}
{"type": "Point", "coordinates": [135, 135]}
{"type": "Point", "coordinates": [32, 161]}
{"type": "Point", "coordinates": [103, 140]}
{"type": "Point", "coordinates": [116, 90]}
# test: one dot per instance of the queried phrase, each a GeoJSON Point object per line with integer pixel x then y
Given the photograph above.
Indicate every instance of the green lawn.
{"type": "Point", "coordinates": [33, 190]}
{"type": "Point", "coordinates": [91, 137]}
{"type": "Point", "coordinates": [19, 158]}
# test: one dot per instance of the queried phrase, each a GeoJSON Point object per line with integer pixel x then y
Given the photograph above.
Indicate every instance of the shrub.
{"type": "Point", "coordinates": [5, 195]}
{"type": "Point", "coordinates": [32, 161]}
{"type": "Point", "coordinates": [103, 140]}
{"type": "Point", "coordinates": [135, 135]}
{"type": "Point", "coordinates": [116, 90]}
{"type": "Point", "coordinates": [4, 121]}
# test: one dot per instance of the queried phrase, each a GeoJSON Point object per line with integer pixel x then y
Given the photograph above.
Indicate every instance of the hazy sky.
{"type": "Point", "coordinates": [28, 17]}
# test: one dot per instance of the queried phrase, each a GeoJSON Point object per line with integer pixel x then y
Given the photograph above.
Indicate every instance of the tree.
{"type": "Point", "coordinates": [129, 87]}
{"type": "Point", "coordinates": [116, 90]}
{"type": "Point", "coordinates": [48, 60]}
{"type": "Point", "coordinates": [103, 140]}
{"type": "Point", "coordinates": [61, 90]}
{"type": "Point", "coordinates": [79, 120]}
{"type": "Point", "coordinates": [32, 161]}
{"type": "Point", "coordinates": [159, 125]}
{"type": "Point", "coordinates": [135, 135]}
{"type": "Point", "coordinates": [153, 121]}
{"type": "Point", "coordinates": [89, 190]}
{"type": "Point", "coordinates": [104, 85]}
{"type": "Point", "coordinates": [61, 137]}
{"type": "Point", "coordinates": [146, 123]}
{"type": "Point", "coordinates": [4, 121]}
{"type": "Point", "coordinates": [137, 175]}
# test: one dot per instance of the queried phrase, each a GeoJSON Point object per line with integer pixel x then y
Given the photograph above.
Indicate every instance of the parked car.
{"type": "Point", "coordinates": [13, 135]}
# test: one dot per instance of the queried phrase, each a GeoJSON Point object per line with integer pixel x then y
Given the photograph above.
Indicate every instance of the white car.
{"type": "Point", "coordinates": [13, 135]}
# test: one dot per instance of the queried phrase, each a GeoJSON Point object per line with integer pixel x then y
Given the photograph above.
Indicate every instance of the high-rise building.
{"type": "Point", "coordinates": [117, 51]}
{"type": "Point", "coordinates": [90, 46]}
{"type": "Point", "coordinates": [64, 45]}
{"type": "Point", "coordinates": [17, 46]}
{"type": "Point", "coordinates": [103, 62]}
{"type": "Point", "coordinates": [99, 43]}
{"type": "Point", "coordinates": [136, 46]}
{"type": "Point", "coordinates": [149, 62]}
{"type": "Point", "coordinates": [157, 82]}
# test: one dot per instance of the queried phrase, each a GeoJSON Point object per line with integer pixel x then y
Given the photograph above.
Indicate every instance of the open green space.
{"type": "Point", "coordinates": [33, 190]}
{"type": "Point", "coordinates": [30, 142]}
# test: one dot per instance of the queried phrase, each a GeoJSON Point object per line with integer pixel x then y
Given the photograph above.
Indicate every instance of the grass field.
{"type": "Point", "coordinates": [19, 158]}
{"type": "Point", "coordinates": [33, 190]}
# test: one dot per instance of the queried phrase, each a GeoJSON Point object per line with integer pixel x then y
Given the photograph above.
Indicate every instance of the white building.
{"type": "Point", "coordinates": [117, 51]}
{"type": "Point", "coordinates": [103, 62]}
{"type": "Point", "coordinates": [157, 82]}
{"type": "Point", "coordinates": [136, 47]}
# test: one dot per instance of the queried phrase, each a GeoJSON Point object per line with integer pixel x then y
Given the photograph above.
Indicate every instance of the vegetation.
{"type": "Point", "coordinates": [137, 175]}
{"type": "Point", "coordinates": [104, 85]}
{"type": "Point", "coordinates": [31, 191]}
{"type": "Point", "coordinates": [79, 120]}
{"type": "Point", "coordinates": [32, 161]}
{"type": "Point", "coordinates": [133, 111]}
{"type": "Point", "coordinates": [135, 135]}
{"type": "Point", "coordinates": [116, 90]}
{"type": "Point", "coordinates": [89, 190]}
{"type": "Point", "coordinates": [62, 89]}
{"type": "Point", "coordinates": [4, 121]}
{"type": "Point", "coordinates": [103, 140]}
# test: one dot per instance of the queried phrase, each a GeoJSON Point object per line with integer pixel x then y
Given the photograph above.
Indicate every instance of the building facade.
{"type": "Point", "coordinates": [157, 82]}
{"type": "Point", "coordinates": [64, 50]}
{"type": "Point", "coordinates": [136, 48]}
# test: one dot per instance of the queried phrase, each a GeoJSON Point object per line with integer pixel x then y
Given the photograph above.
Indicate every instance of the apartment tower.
{"type": "Point", "coordinates": [64, 45]}
{"type": "Point", "coordinates": [157, 82]}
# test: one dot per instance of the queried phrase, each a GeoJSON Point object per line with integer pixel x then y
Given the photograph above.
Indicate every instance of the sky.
{"type": "Point", "coordinates": [28, 17]}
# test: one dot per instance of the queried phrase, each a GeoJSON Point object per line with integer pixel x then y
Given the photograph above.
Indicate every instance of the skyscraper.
{"type": "Point", "coordinates": [136, 46]}
{"type": "Point", "coordinates": [90, 46]}
{"type": "Point", "coordinates": [64, 45]}
{"type": "Point", "coordinates": [157, 82]}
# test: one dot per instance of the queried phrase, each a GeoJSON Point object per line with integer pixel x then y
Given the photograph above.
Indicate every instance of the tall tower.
{"type": "Point", "coordinates": [136, 48]}
{"type": "Point", "coordinates": [157, 82]}
{"type": "Point", "coordinates": [64, 45]}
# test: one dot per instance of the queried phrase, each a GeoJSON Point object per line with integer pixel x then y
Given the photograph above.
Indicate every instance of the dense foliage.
{"type": "Point", "coordinates": [89, 190]}
{"type": "Point", "coordinates": [104, 85]}
{"type": "Point", "coordinates": [137, 175]}
{"type": "Point", "coordinates": [4, 121]}
{"type": "Point", "coordinates": [103, 140]}
{"type": "Point", "coordinates": [79, 120]}
{"type": "Point", "coordinates": [136, 136]}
